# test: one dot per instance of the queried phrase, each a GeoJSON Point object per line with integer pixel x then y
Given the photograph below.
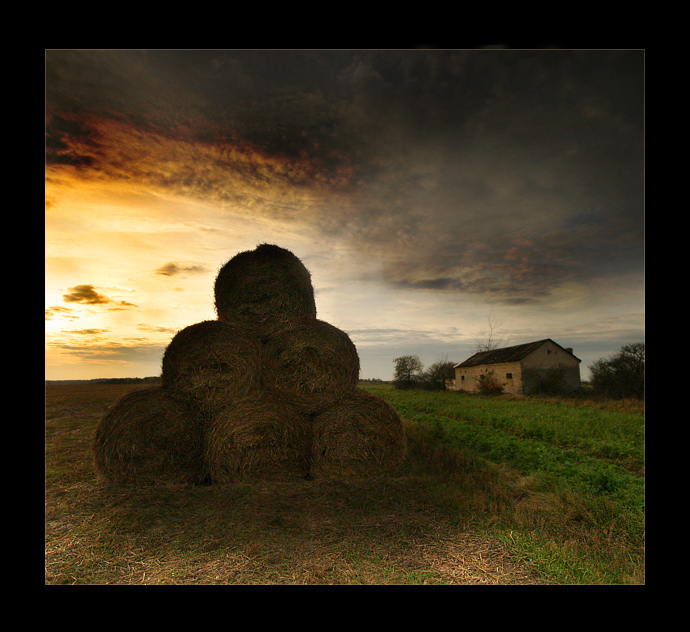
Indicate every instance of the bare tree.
{"type": "Point", "coordinates": [492, 339]}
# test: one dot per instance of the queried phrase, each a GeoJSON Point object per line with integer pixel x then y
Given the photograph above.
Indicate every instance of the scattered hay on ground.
{"type": "Point", "coordinates": [259, 438]}
{"type": "Point", "coordinates": [361, 435]}
{"type": "Point", "coordinates": [312, 365]}
{"type": "Point", "coordinates": [268, 287]}
{"type": "Point", "coordinates": [211, 361]}
{"type": "Point", "coordinates": [148, 435]}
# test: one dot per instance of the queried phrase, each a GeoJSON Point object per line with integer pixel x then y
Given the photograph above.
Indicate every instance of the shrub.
{"type": "Point", "coordinates": [488, 384]}
{"type": "Point", "coordinates": [621, 376]}
{"type": "Point", "coordinates": [436, 376]}
{"type": "Point", "coordinates": [544, 381]}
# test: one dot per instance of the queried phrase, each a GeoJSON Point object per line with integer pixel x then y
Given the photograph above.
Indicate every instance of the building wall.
{"type": "Point", "coordinates": [549, 364]}
{"type": "Point", "coordinates": [508, 374]}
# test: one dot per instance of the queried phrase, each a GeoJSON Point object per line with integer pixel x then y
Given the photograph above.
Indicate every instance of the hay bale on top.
{"type": "Point", "coordinates": [268, 287]}
{"type": "Point", "coordinates": [361, 435]}
{"type": "Point", "coordinates": [257, 438]}
{"type": "Point", "coordinates": [311, 365]}
{"type": "Point", "coordinates": [211, 361]}
{"type": "Point", "coordinates": [148, 435]}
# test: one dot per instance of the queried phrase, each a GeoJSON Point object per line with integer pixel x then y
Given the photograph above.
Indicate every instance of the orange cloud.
{"type": "Point", "coordinates": [215, 167]}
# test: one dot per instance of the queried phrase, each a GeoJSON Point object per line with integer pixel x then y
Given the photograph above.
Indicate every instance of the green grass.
{"type": "Point", "coordinates": [494, 491]}
{"type": "Point", "coordinates": [582, 517]}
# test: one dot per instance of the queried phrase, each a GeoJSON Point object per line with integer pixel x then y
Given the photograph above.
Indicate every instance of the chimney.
{"type": "Point", "coordinates": [569, 350]}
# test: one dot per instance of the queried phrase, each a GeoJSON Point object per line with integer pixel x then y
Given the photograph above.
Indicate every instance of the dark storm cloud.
{"type": "Point", "coordinates": [67, 140]}
{"type": "Point", "coordinates": [328, 103]}
{"type": "Point", "coordinates": [353, 101]}
{"type": "Point", "coordinates": [535, 181]}
{"type": "Point", "coordinates": [502, 173]}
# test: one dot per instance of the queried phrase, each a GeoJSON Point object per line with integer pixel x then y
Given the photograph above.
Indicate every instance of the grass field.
{"type": "Point", "coordinates": [494, 491]}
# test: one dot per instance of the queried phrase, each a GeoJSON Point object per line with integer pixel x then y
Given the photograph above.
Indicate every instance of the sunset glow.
{"type": "Point", "coordinates": [423, 190]}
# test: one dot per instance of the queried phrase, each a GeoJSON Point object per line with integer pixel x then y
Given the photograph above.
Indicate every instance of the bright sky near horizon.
{"type": "Point", "coordinates": [425, 190]}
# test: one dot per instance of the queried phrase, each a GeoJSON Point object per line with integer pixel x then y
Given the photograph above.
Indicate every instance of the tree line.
{"type": "Point", "coordinates": [621, 376]}
{"type": "Point", "coordinates": [409, 373]}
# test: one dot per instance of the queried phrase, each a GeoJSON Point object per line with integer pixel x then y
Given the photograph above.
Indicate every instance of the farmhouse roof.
{"type": "Point", "coordinates": [508, 354]}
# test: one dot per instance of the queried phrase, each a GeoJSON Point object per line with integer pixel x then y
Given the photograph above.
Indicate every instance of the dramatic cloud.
{"type": "Point", "coordinates": [507, 179]}
{"type": "Point", "coordinates": [503, 174]}
{"type": "Point", "coordinates": [233, 175]}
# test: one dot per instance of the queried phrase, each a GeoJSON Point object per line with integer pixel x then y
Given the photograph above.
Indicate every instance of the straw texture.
{"type": "Point", "coordinates": [266, 390]}
{"type": "Point", "coordinates": [361, 435]}
{"type": "Point", "coordinates": [149, 435]}
{"type": "Point", "coordinates": [311, 365]}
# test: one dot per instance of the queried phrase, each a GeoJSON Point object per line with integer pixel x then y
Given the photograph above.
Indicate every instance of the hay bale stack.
{"type": "Point", "coordinates": [361, 435]}
{"type": "Point", "coordinates": [257, 437]}
{"type": "Point", "coordinates": [267, 390]}
{"type": "Point", "coordinates": [311, 365]}
{"type": "Point", "coordinates": [212, 361]}
{"type": "Point", "coordinates": [149, 435]}
{"type": "Point", "coordinates": [268, 287]}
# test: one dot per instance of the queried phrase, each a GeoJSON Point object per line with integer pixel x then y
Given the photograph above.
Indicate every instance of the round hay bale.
{"type": "Point", "coordinates": [211, 361]}
{"type": "Point", "coordinates": [311, 365]}
{"type": "Point", "coordinates": [361, 435]}
{"type": "Point", "coordinates": [257, 438]}
{"type": "Point", "coordinates": [148, 435]}
{"type": "Point", "coordinates": [268, 287]}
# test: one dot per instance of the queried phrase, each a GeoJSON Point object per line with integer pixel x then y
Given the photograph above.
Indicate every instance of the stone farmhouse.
{"type": "Point", "coordinates": [522, 369]}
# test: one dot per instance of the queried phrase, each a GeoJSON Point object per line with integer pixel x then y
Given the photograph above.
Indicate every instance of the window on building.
{"type": "Point", "coordinates": [509, 376]}
{"type": "Point", "coordinates": [462, 378]}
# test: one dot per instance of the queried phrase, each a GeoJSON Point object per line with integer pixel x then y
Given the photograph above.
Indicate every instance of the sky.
{"type": "Point", "coordinates": [435, 195]}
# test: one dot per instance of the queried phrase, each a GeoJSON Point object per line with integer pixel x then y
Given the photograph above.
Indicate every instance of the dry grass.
{"type": "Point", "coordinates": [270, 534]}
{"type": "Point", "coordinates": [390, 530]}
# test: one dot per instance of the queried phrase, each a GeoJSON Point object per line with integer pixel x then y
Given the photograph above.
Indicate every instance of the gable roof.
{"type": "Point", "coordinates": [508, 354]}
